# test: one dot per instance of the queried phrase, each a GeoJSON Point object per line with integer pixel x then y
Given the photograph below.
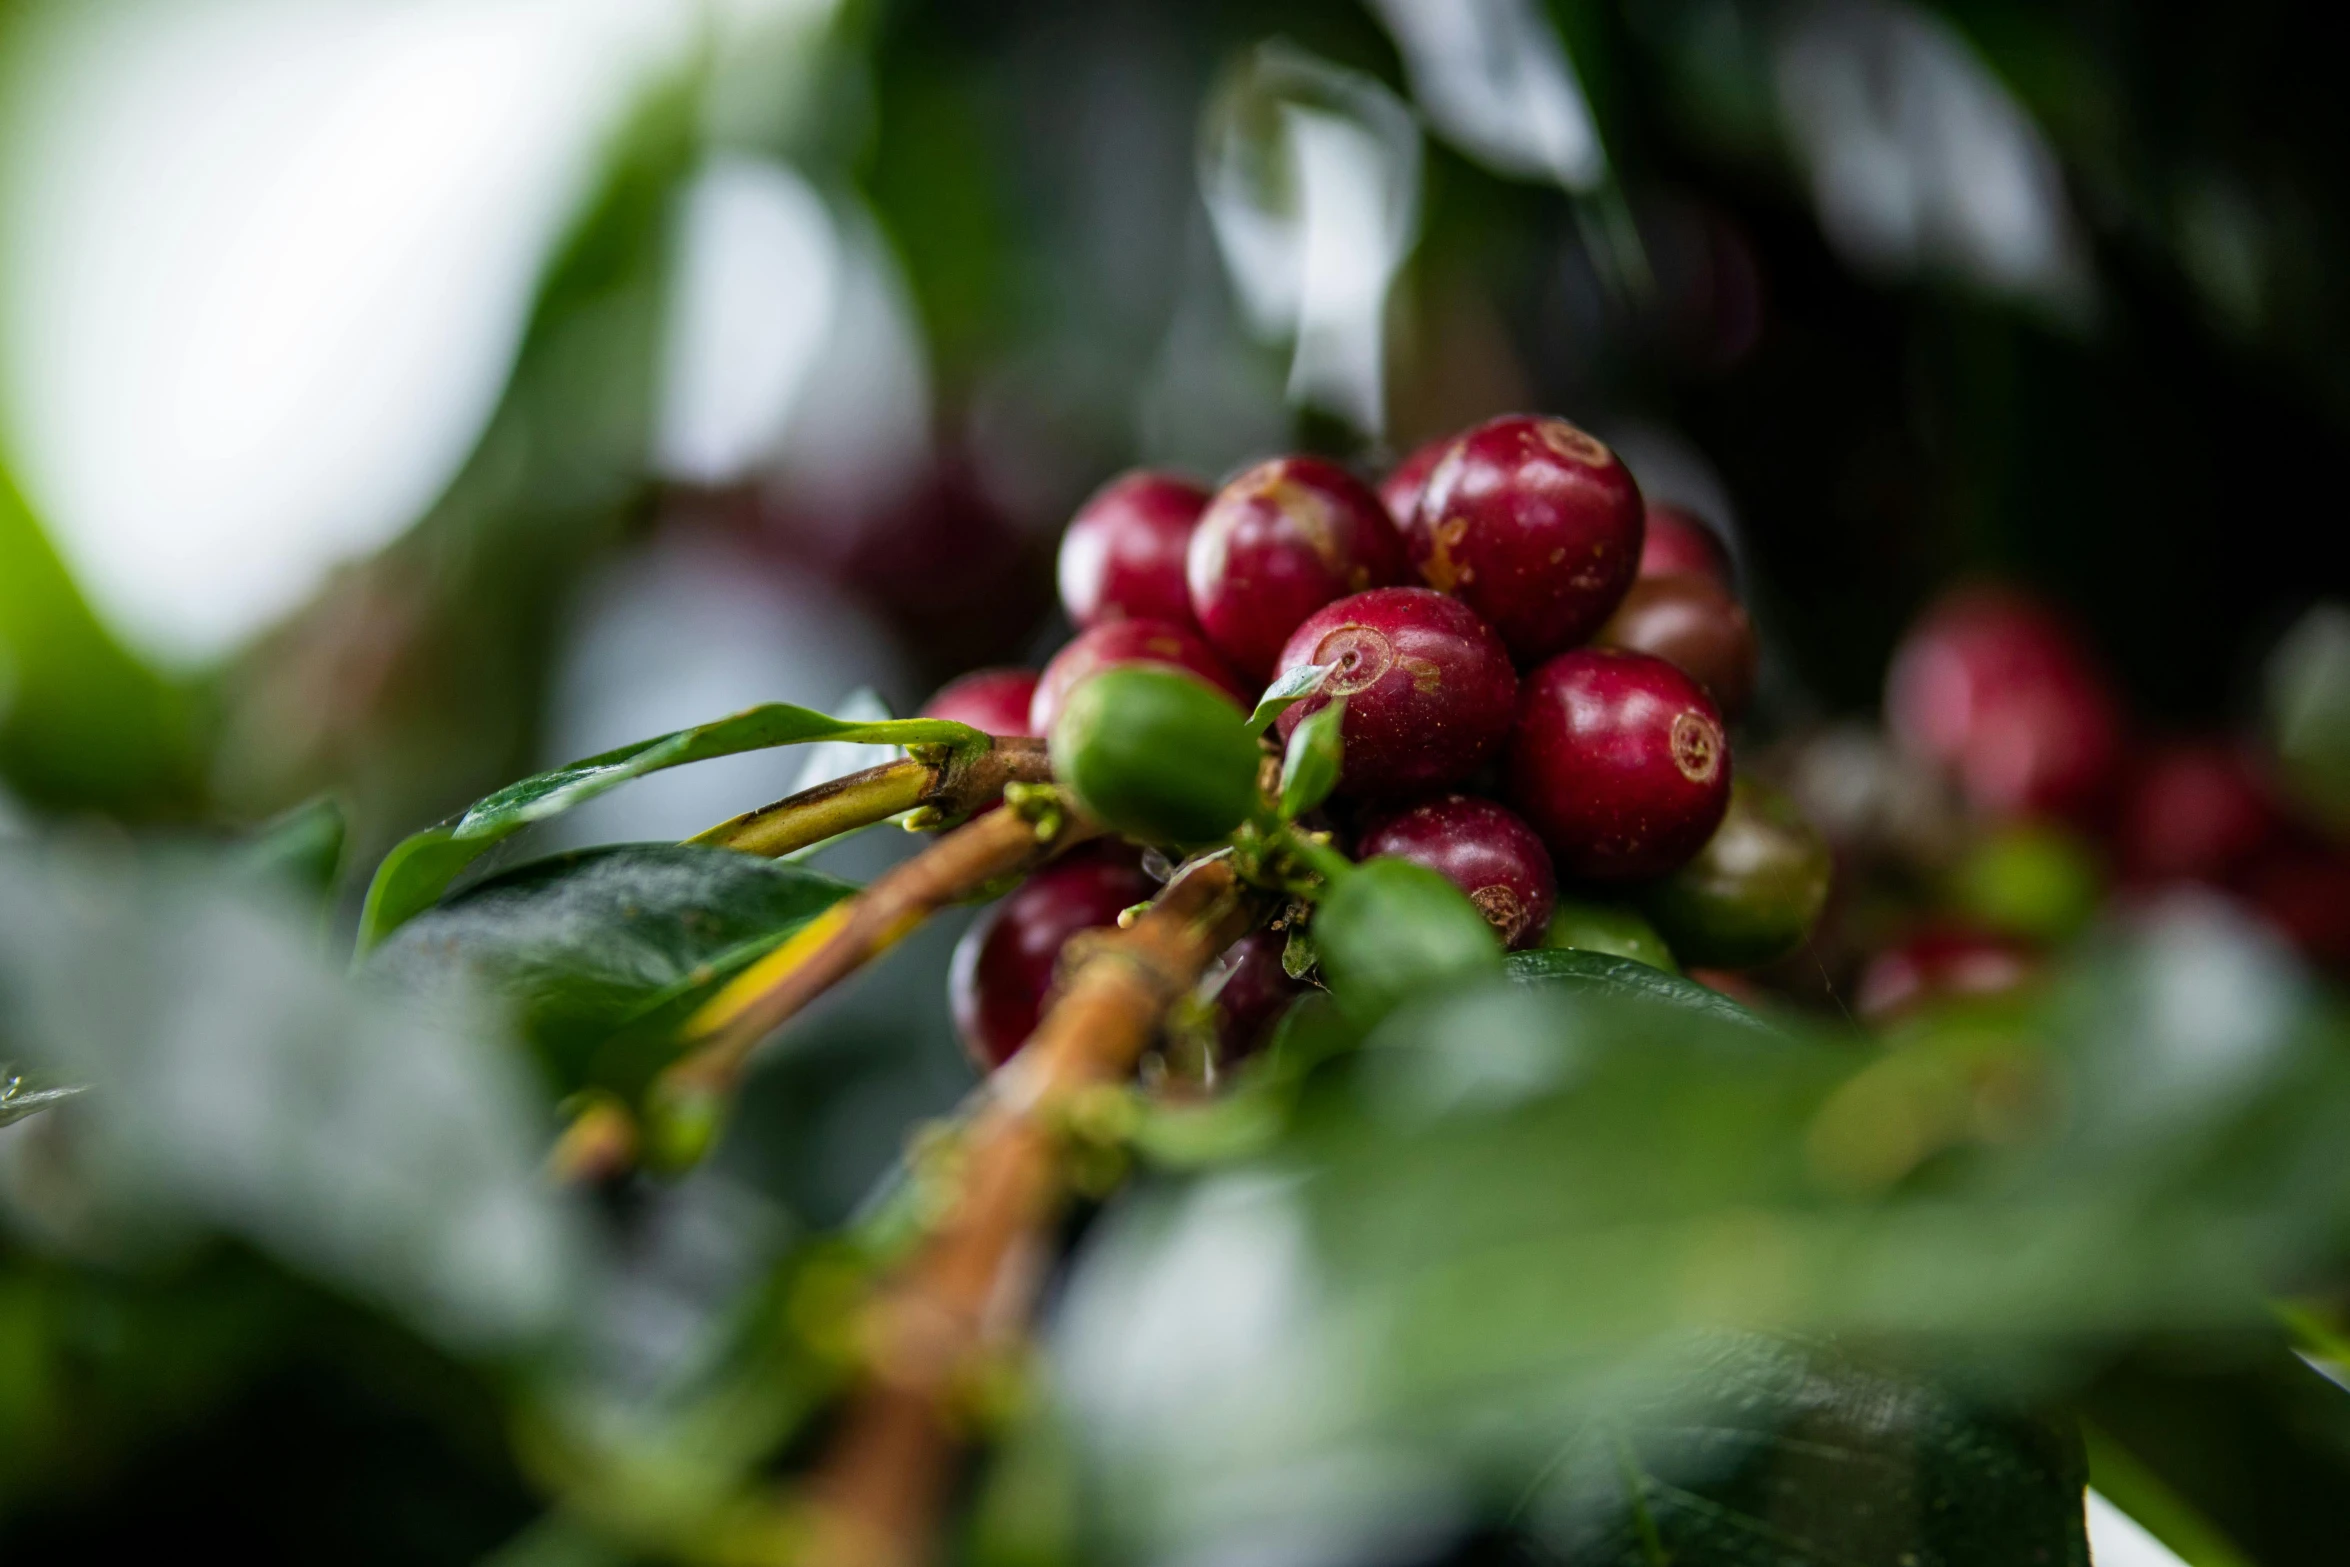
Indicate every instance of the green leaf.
{"type": "Point", "coordinates": [591, 944]}
{"type": "Point", "coordinates": [302, 849]}
{"type": "Point", "coordinates": [19, 1099]}
{"type": "Point", "coordinates": [420, 868]}
{"type": "Point", "coordinates": [1309, 768]}
{"type": "Point", "coordinates": [1605, 974]}
{"type": "Point", "coordinates": [1390, 930]}
{"type": "Point", "coordinates": [1285, 693]}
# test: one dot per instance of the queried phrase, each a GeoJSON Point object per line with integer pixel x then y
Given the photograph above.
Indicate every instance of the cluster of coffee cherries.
{"type": "Point", "coordinates": [1537, 670]}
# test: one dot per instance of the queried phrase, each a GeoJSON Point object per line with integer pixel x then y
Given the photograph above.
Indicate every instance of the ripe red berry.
{"type": "Point", "coordinates": [1430, 695]}
{"type": "Point", "coordinates": [1485, 849]}
{"type": "Point", "coordinates": [1252, 990]}
{"type": "Point", "coordinates": [1678, 541]}
{"type": "Point", "coordinates": [1996, 688]}
{"type": "Point", "coordinates": [1620, 763]}
{"type": "Point", "coordinates": [1278, 543]}
{"type": "Point", "coordinates": [1692, 623]}
{"type": "Point", "coordinates": [1122, 558]}
{"type": "Point", "coordinates": [2193, 811]}
{"type": "Point", "coordinates": [1004, 965]}
{"type": "Point", "coordinates": [1940, 964]}
{"type": "Point", "coordinates": [1535, 525]}
{"type": "Point", "coordinates": [1400, 490]}
{"type": "Point", "coordinates": [1123, 642]}
{"type": "Point", "coordinates": [992, 700]}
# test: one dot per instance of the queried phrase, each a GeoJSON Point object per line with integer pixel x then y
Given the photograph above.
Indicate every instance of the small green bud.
{"type": "Point", "coordinates": [1157, 755]}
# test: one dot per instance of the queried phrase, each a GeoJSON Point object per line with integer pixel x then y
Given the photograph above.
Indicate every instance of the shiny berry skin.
{"type": "Point", "coordinates": [1620, 763]}
{"type": "Point", "coordinates": [1278, 543]}
{"type": "Point", "coordinates": [1937, 965]}
{"type": "Point", "coordinates": [1004, 965]}
{"type": "Point", "coordinates": [1996, 689]}
{"type": "Point", "coordinates": [1122, 642]}
{"type": "Point", "coordinates": [1677, 542]}
{"type": "Point", "coordinates": [1692, 623]}
{"type": "Point", "coordinates": [2193, 811]}
{"type": "Point", "coordinates": [1252, 991]}
{"type": "Point", "coordinates": [1400, 490]}
{"type": "Point", "coordinates": [1157, 754]}
{"type": "Point", "coordinates": [994, 701]}
{"type": "Point", "coordinates": [1430, 695]}
{"type": "Point", "coordinates": [1486, 850]}
{"type": "Point", "coordinates": [1616, 929]}
{"type": "Point", "coordinates": [1122, 558]}
{"type": "Point", "coordinates": [1533, 524]}
{"type": "Point", "coordinates": [1753, 893]}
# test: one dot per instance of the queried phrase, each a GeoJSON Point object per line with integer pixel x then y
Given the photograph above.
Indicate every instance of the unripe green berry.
{"type": "Point", "coordinates": [1753, 892]}
{"type": "Point", "coordinates": [1617, 929]}
{"type": "Point", "coordinates": [1157, 755]}
{"type": "Point", "coordinates": [1390, 929]}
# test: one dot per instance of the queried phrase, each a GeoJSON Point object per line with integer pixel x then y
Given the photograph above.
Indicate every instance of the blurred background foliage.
{"type": "Point", "coordinates": [396, 398]}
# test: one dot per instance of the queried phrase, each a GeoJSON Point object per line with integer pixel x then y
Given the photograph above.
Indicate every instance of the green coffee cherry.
{"type": "Point", "coordinates": [1754, 891]}
{"type": "Point", "coordinates": [1616, 929]}
{"type": "Point", "coordinates": [1389, 929]}
{"type": "Point", "coordinates": [1157, 755]}
{"type": "Point", "coordinates": [2037, 881]}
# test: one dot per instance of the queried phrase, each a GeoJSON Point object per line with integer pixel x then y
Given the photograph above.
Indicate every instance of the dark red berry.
{"type": "Point", "coordinates": [1997, 689]}
{"type": "Point", "coordinates": [1486, 850]}
{"type": "Point", "coordinates": [1677, 541]}
{"type": "Point", "coordinates": [2303, 889]}
{"type": "Point", "coordinates": [1400, 490]}
{"type": "Point", "coordinates": [1620, 763]}
{"type": "Point", "coordinates": [993, 700]}
{"type": "Point", "coordinates": [1123, 642]}
{"type": "Point", "coordinates": [1692, 623]}
{"type": "Point", "coordinates": [1430, 695]}
{"type": "Point", "coordinates": [1278, 543]}
{"type": "Point", "coordinates": [2193, 811]}
{"type": "Point", "coordinates": [1535, 525]}
{"type": "Point", "coordinates": [1252, 990]}
{"type": "Point", "coordinates": [1004, 965]}
{"type": "Point", "coordinates": [1941, 964]}
{"type": "Point", "coordinates": [1122, 558]}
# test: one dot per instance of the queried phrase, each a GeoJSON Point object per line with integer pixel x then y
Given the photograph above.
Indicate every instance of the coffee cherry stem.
{"type": "Point", "coordinates": [687, 1101]}
{"type": "Point", "coordinates": [965, 1296]}
{"type": "Point", "coordinates": [939, 785]}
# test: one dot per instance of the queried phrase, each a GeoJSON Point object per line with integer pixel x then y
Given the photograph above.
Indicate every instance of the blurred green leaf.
{"type": "Point", "coordinates": [1285, 693]}
{"type": "Point", "coordinates": [1389, 931]}
{"type": "Point", "coordinates": [1310, 767]}
{"type": "Point", "coordinates": [302, 849]}
{"type": "Point", "coordinates": [587, 944]}
{"type": "Point", "coordinates": [1607, 974]}
{"type": "Point", "coordinates": [420, 868]}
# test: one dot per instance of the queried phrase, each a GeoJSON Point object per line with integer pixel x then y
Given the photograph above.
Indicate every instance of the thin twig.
{"type": "Point", "coordinates": [969, 1291]}
{"type": "Point", "coordinates": [842, 940]}
{"type": "Point", "coordinates": [952, 786]}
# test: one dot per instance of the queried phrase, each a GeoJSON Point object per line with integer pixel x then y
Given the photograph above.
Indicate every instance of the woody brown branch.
{"type": "Point", "coordinates": [999, 844]}
{"type": "Point", "coordinates": [968, 1292]}
{"type": "Point", "coordinates": [953, 786]}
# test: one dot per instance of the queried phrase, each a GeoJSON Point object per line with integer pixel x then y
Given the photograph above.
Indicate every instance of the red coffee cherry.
{"type": "Point", "coordinates": [1004, 965]}
{"type": "Point", "coordinates": [1620, 763]}
{"type": "Point", "coordinates": [1678, 541]}
{"type": "Point", "coordinates": [1400, 490]}
{"type": "Point", "coordinates": [1485, 849]}
{"type": "Point", "coordinates": [992, 700]}
{"type": "Point", "coordinates": [1278, 543]}
{"type": "Point", "coordinates": [1996, 689]}
{"type": "Point", "coordinates": [1693, 624]}
{"type": "Point", "coordinates": [1430, 695]}
{"type": "Point", "coordinates": [1124, 642]}
{"type": "Point", "coordinates": [1533, 524]}
{"type": "Point", "coordinates": [1940, 964]}
{"type": "Point", "coordinates": [1252, 990]}
{"type": "Point", "coordinates": [2193, 811]}
{"type": "Point", "coordinates": [1122, 558]}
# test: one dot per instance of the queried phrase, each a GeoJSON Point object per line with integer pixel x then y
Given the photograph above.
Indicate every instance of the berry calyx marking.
{"type": "Point", "coordinates": [1697, 747]}
{"type": "Point", "coordinates": [1362, 655]}
{"type": "Point", "coordinates": [1503, 909]}
{"type": "Point", "coordinates": [1573, 444]}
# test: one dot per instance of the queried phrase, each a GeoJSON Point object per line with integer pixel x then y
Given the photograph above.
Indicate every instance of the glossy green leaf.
{"type": "Point", "coordinates": [1605, 974]}
{"type": "Point", "coordinates": [420, 868]}
{"type": "Point", "coordinates": [1285, 693]}
{"type": "Point", "coordinates": [591, 944]}
{"type": "Point", "coordinates": [1310, 767]}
